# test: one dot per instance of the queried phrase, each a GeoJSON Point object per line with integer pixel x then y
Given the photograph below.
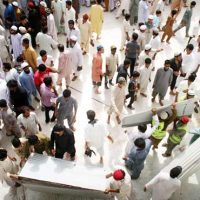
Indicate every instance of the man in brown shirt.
{"type": "Point", "coordinates": [29, 54]}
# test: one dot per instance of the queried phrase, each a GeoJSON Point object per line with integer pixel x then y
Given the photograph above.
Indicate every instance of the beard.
{"type": "Point", "coordinates": [27, 72]}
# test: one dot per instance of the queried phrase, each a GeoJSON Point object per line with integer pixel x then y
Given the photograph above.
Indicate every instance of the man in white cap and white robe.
{"type": "Point", "coordinates": [149, 24]}
{"type": "Point", "coordinates": [75, 57]}
{"type": "Point", "coordinates": [52, 30]}
{"type": "Point", "coordinates": [146, 53]}
{"type": "Point", "coordinates": [143, 11]}
{"type": "Point", "coordinates": [25, 34]}
{"type": "Point", "coordinates": [15, 42]}
{"type": "Point", "coordinates": [141, 36]}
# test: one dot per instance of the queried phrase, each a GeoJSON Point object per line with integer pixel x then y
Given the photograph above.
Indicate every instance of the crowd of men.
{"type": "Point", "coordinates": [30, 33]}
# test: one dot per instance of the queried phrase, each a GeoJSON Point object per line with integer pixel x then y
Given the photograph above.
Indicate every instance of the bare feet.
{"type": "Point", "coordinates": [118, 120]}
{"type": "Point", "coordinates": [161, 102]}
{"type": "Point", "coordinates": [74, 78]}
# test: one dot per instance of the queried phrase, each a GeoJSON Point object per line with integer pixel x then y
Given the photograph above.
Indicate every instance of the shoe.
{"type": "Point", "coordinates": [111, 83]}
{"type": "Point", "coordinates": [153, 100]}
{"type": "Point", "coordinates": [130, 107]}
{"type": "Point", "coordinates": [196, 110]}
{"type": "Point", "coordinates": [53, 119]}
{"type": "Point", "coordinates": [74, 78]}
{"type": "Point", "coordinates": [106, 86]}
{"type": "Point", "coordinates": [47, 121]}
{"type": "Point", "coordinates": [166, 155]}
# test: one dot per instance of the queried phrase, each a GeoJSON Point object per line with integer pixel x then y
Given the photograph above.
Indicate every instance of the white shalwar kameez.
{"type": "Point", "coordinates": [52, 30]}
{"type": "Point", "coordinates": [141, 39]}
{"type": "Point", "coordinates": [143, 11]}
{"type": "Point", "coordinates": [163, 186]}
{"type": "Point", "coordinates": [145, 75]}
{"type": "Point", "coordinates": [75, 58]}
{"type": "Point", "coordinates": [125, 29]}
{"type": "Point", "coordinates": [75, 32]}
{"type": "Point", "coordinates": [10, 75]}
{"type": "Point", "coordinates": [16, 45]}
{"type": "Point", "coordinates": [4, 51]}
{"type": "Point", "coordinates": [45, 42]}
{"type": "Point", "coordinates": [69, 15]}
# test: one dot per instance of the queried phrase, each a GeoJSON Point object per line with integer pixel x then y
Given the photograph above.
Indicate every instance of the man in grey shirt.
{"type": "Point", "coordinates": [132, 51]}
{"type": "Point", "coordinates": [66, 108]}
{"type": "Point", "coordinates": [186, 20]}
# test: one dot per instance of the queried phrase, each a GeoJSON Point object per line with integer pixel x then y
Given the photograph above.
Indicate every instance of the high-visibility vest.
{"type": "Point", "coordinates": [176, 139]}
{"type": "Point", "coordinates": [159, 133]}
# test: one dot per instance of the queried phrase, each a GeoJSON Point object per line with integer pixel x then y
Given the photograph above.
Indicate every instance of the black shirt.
{"type": "Point", "coordinates": [64, 143]}
{"type": "Point", "coordinates": [174, 66]}
{"type": "Point", "coordinates": [122, 72]}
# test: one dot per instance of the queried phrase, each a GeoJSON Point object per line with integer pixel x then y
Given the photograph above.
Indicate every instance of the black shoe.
{"type": "Point", "coordinates": [53, 119]}
{"type": "Point", "coordinates": [111, 83]}
{"type": "Point", "coordinates": [130, 107]}
{"type": "Point", "coordinates": [47, 121]}
{"type": "Point", "coordinates": [106, 86]}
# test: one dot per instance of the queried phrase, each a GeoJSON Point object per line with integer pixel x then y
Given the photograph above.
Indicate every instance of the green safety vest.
{"type": "Point", "coordinates": [176, 139]}
{"type": "Point", "coordinates": [159, 133]}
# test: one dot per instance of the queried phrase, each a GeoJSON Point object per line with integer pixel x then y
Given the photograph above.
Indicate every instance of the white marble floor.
{"type": "Point", "coordinates": [82, 90]}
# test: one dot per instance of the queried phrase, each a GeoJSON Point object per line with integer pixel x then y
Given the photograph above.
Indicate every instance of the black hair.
{"type": "Point", "coordinates": [127, 62]}
{"type": "Point", "coordinates": [173, 12]}
{"type": "Point", "coordinates": [91, 115]}
{"type": "Point", "coordinates": [175, 172]}
{"type": "Point", "coordinates": [48, 81]}
{"type": "Point", "coordinates": [99, 1]}
{"type": "Point", "coordinates": [135, 36]}
{"type": "Point", "coordinates": [190, 47]}
{"type": "Point", "coordinates": [24, 109]}
{"type": "Point", "coordinates": [26, 41]}
{"type": "Point", "coordinates": [12, 83]}
{"type": "Point", "coordinates": [167, 62]}
{"type": "Point", "coordinates": [158, 12]}
{"type": "Point", "coordinates": [127, 16]}
{"type": "Point", "coordinates": [5, 2]}
{"type": "Point", "coordinates": [7, 66]}
{"type": "Point", "coordinates": [58, 128]}
{"type": "Point", "coordinates": [67, 93]}
{"type": "Point", "coordinates": [16, 142]}
{"type": "Point", "coordinates": [147, 60]}
{"type": "Point", "coordinates": [61, 47]}
{"type": "Point", "coordinates": [20, 58]}
{"type": "Point", "coordinates": [44, 29]}
{"type": "Point", "coordinates": [142, 128]}
{"type": "Point", "coordinates": [43, 53]}
{"type": "Point", "coordinates": [192, 77]}
{"type": "Point", "coordinates": [71, 22]}
{"type": "Point", "coordinates": [193, 3]}
{"type": "Point", "coordinates": [140, 24]}
{"type": "Point", "coordinates": [140, 142]}
{"type": "Point", "coordinates": [135, 74]}
{"type": "Point", "coordinates": [3, 154]}
{"type": "Point", "coordinates": [32, 139]}
{"type": "Point", "coordinates": [69, 3]}
{"type": "Point", "coordinates": [3, 103]}
{"type": "Point", "coordinates": [42, 67]}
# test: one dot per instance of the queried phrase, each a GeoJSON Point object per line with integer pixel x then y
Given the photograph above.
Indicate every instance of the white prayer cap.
{"type": "Point", "coordinates": [73, 38]}
{"type": "Point", "coordinates": [147, 47]}
{"type": "Point", "coordinates": [22, 29]}
{"type": "Point", "coordinates": [14, 28]}
{"type": "Point", "coordinates": [14, 3]}
{"type": "Point", "coordinates": [121, 80]}
{"type": "Point", "coordinates": [177, 53]}
{"type": "Point", "coordinates": [42, 3]}
{"type": "Point", "coordinates": [24, 64]}
{"type": "Point", "coordinates": [150, 17]}
{"type": "Point", "coordinates": [143, 27]}
{"type": "Point", "coordinates": [191, 92]}
{"type": "Point", "coordinates": [163, 115]}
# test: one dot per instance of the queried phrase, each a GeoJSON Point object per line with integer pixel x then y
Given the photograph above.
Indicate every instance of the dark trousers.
{"type": "Point", "coordinates": [133, 60]}
{"type": "Point", "coordinates": [173, 84]}
{"type": "Point", "coordinates": [132, 96]}
{"type": "Point", "coordinates": [47, 110]}
{"type": "Point", "coordinates": [61, 154]}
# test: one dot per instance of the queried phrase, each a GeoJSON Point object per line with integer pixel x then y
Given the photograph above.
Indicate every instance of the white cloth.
{"type": "Point", "coordinates": [133, 136]}
{"type": "Point", "coordinates": [155, 43]}
{"type": "Point", "coordinates": [143, 56]}
{"type": "Point", "coordinates": [12, 74]}
{"type": "Point", "coordinates": [145, 75]}
{"type": "Point", "coordinates": [75, 32]}
{"type": "Point", "coordinates": [16, 44]}
{"type": "Point", "coordinates": [124, 187]}
{"type": "Point", "coordinates": [69, 15]}
{"type": "Point", "coordinates": [52, 30]}
{"type": "Point", "coordinates": [30, 123]}
{"type": "Point", "coordinates": [4, 51]}
{"type": "Point", "coordinates": [163, 186]}
{"type": "Point", "coordinates": [124, 30]}
{"type": "Point", "coordinates": [123, 6]}
{"type": "Point", "coordinates": [160, 6]}
{"type": "Point", "coordinates": [48, 61]}
{"type": "Point", "coordinates": [3, 90]}
{"type": "Point", "coordinates": [143, 11]}
{"type": "Point", "coordinates": [141, 39]}
{"type": "Point", "coordinates": [45, 42]}
{"type": "Point", "coordinates": [95, 135]}
{"type": "Point", "coordinates": [75, 57]}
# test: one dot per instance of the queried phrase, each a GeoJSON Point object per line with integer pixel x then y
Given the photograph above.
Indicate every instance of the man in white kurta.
{"type": "Point", "coordinates": [143, 11]}
{"type": "Point", "coordinates": [72, 30]}
{"type": "Point", "coordinates": [25, 34]}
{"type": "Point", "coordinates": [75, 57]}
{"type": "Point", "coordinates": [146, 53]}
{"type": "Point", "coordinates": [85, 31]}
{"type": "Point", "coordinates": [15, 42]}
{"type": "Point", "coordinates": [145, 77]}
{"type": "Point", "coordinates": [141, 36]}
{"type": "Point", "coordinates": [52, 30]}
{"type": "Point", "coordinates": [4, 55]}
{"type": "Point", "coordinates": [164, 184]}
{"type": "Point", "coordinates": [70, 14]}
{"type": "Point", "coordinates": [58, 13]}
{"type": "Point", "coordinates": [117, 99]}
{"type": "Point", "coordinates": [45, 42]}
